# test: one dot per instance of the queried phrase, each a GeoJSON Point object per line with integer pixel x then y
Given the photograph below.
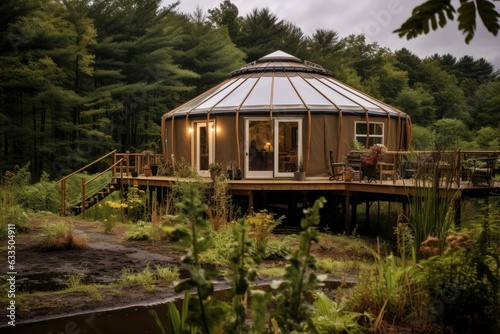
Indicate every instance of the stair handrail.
{"type": "Point", "coordinates": [85, 183]}
{"type": "Point", "coordinates": [63, 180]}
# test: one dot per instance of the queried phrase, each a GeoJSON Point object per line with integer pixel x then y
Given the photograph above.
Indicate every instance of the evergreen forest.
{"type": "Point", "coordinates": [79, 78]}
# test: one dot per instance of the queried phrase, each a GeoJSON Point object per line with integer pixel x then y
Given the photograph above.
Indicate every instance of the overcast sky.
{"type": "Point", "coordinates": [376, 19]}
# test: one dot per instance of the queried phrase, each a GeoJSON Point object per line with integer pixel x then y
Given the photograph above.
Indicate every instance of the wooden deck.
{"type": "Point", "coordinates": [402, 187]}
{"type": "Point", "coordinates": [451, 174]}
{"type": "Point", "coordinates": [349, 194]}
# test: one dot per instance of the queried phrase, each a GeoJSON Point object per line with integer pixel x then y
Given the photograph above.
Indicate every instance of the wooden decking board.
{"type": "Point", "coordinates": [401, 187]}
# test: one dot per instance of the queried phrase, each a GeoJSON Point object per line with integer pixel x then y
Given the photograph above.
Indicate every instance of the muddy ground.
{"type": "Point", "coordinates": [41, 273]}
{"type": "Point", "coordinates": [102, 263]}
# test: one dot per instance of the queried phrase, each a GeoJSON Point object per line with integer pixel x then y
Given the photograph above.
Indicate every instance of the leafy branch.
{"type": "Point", "coordinates": [293, 312]}
{"type": "Point", "coordinates": [204, 311]}
{"type": "Point", "coordinates": [432, 14]}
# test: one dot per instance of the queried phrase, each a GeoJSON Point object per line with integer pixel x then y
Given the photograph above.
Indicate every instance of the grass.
{"type": "Point", "coordinates": [271, 272]}
{"type": "Point", "coordinates": [60, 236]}
{"type": "Point", "coordinates": [75, 280]}
{"type": "Point", "coordinates": [147, 278]}
{"type": "Point", "coordinates": [343, 268]}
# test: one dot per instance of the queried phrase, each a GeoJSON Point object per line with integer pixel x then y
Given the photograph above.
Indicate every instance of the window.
{"type": "Point", "coordinates": [375, 135]}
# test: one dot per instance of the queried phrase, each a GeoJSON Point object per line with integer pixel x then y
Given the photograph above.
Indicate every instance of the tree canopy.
{"type": "Point", "coordinates": [79, 78]}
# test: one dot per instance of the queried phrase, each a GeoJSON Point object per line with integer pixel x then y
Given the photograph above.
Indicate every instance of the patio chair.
{"type": "Point", "coordinates": [354, 161]}
{"type": "Point", "coordinates": [482, 171]}
{"type": "Point", "coordinates": [387, 166]}
{"type": "Point", "coordinates": [333, 166]}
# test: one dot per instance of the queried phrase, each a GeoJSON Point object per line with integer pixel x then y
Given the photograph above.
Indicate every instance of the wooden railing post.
{"type": "Point", "coordinates": [127, 160]}
{"type": "Point", "coordinates": [113, 172]}
{"type": "Point", "coordinates": [121, 179]}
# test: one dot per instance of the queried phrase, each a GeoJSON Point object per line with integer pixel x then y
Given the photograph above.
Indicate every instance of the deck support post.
{"type": "Point", "coordinates": [458, 210]}
{"type": "Point", "coordinates": [250, 201]}
{"type": "Point", "coordinates": [347, 213]}
{"type": "Point", "coordinates": [367, 215]}
{"type": "Point", "coordinates": [354, 210]}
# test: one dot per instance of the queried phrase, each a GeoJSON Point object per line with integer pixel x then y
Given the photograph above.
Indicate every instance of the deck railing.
{"type": "Point", "coordinates": [64, 179]}
{"type": "Point", "coordinates": [86, 183]}
{"type": "Point", "coordinates": [137, 161]}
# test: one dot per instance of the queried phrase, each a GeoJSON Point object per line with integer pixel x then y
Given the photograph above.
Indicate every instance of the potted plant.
{"type": "Point", "coordinates": [154, 169]}
{"type": "Point", "coordinates": [147, 170]}
{"type": "Point", "coordinates": [134, 173]}
{"type": "Point", "coordinates": [300, 174]}
{"type": "Point", "coordinates": [237, 174]}
{"type": "Point", "coordinates": [348, 174]}
{"type": "Point", "coordinates": [369, 161]}
{"type": "Point", "coordinates": [215, 169]}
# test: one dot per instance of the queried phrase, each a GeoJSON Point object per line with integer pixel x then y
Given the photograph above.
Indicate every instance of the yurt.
{"type": "Point", "coordinates": [275, 115]}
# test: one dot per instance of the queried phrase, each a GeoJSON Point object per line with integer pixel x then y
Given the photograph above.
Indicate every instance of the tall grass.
{"type": "Point", "coordinates": [60, 236]}
{"type": "Point", "coordinates": [392, 291]}
{"type": "Point", "coordinates": [432, 201]}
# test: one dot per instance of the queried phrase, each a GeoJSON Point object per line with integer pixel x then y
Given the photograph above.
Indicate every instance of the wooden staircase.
{"type": "Point", "coordinates": [99, 191]}
{"type": "Point", "coordinates": [92, 200]}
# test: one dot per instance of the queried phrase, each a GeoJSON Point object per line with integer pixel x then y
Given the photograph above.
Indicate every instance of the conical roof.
{"type": "Point", "coordinates": [282, 83]}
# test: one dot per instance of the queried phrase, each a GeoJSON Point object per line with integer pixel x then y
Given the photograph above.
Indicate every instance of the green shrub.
{"type": "Point", "coordinates": [392, 291]}
{"type": "Point", "coordinates": [60, 236]}
{"type": "Point", "coordinates": [144, 231]}
{"type": "Point", "coordinates": [332, 317]}
{"type": "Point", "coordinates": [16, 216]}
{"type": "Point", "coordinates": [136, 201]}
{"type": "Point", "coordinates": [41, 196]}
{"type": "Point", "coordinates": [464, 284]}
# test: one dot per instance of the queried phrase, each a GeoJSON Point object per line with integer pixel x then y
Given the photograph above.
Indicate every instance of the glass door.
{"type": "Point", "coordinates": [204, 148]}
{"type": "Point", "coordinates": [288, 151]}
{"type": "Point", "coordinates": [259, 148]}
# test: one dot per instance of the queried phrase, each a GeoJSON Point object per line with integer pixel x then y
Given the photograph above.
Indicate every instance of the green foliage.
{"type": "Point", "coordinates": [487, 138]}
{"type": "Point", "coordinates": [432, 215]}
{"type": "Point", "coordinates": [136, 200]}
{"type": "Point", "coordinates": [221, 204]}
{"type": "Point", "coordinates": [464, 282]}
{"type": "Point", "coordinates": [60, 236]}
{"type": "Point", "coordinates": [392, 291]}
{"type": "Point", "coordinates": [242, 262]}
{"type": "Point", "coordinates": [75, 280]}
{"type": "Point", "coordinates": [21, 176]}
{"type": "Point", "coordinates": [192, 231]}
{"type": "Point", "coordinates": [430, 14]}
{"type": "Point", "coordinates": [262, 225]}
{"type": "Point", "coordinates": [293, 312]}
{"type": "Point", "coordinates": [177, 321]}
{"type": "Point", "coordinates": [72, 87]}
{"type": "Point", "coordinates": [74, 186]}
{"type": "Point", "coordinates": [488, 102]}
{"type": "Point", "coordinates": [331, 317]}
{"type": "Point", "coordinates": [144, 231]}
{"type": "Point", "coordinates": [448, 132]}
{"type": "Point", "coordinates": [342, 268]}
{"type": "Point", "coordinates": [147, 278]}
{"type": "Point", "coordinates": [418, 103]}
{"type": "Point", "coordinates": [17, 216]}
{"type": "Point", "coordinates": [292, 309]}
{"type": "Point", "coordinates": [13, 215]}
{"type": "Point", "coordinates": [41, 196]}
